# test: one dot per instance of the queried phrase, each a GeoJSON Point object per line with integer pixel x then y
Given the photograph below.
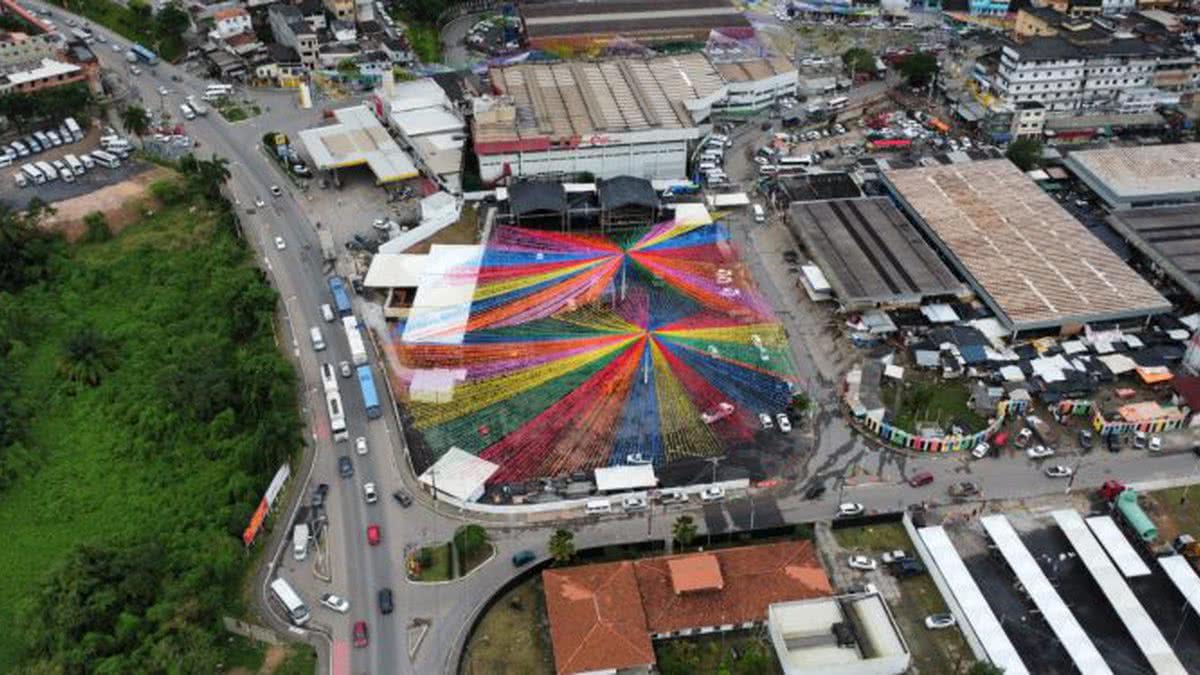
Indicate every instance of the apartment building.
{"type": "Point", "coordinates": [342, 10]}
{"type": "Point", "coordinates": [291, 30]}
{"type": "Point", "coordinates": [232, 21]}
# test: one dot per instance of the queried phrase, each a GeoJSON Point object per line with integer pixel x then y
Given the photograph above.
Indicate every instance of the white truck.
{"type": "Point", "coordinates": [358, 350]}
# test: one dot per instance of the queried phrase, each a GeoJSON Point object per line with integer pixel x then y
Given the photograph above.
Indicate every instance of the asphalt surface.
{"type": "Point", "coordinates": [852, 469]}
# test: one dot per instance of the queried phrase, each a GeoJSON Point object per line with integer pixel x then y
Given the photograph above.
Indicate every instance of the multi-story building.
{"type": "Point", "coordinates": [1086, 70]}
{"type": "Point", "coordinates": [1028, 119]}
{"type": "Point", "coordinates": [342, 10]}
{"type": "Point", "coordinates": [988, 7]}
{"type": "Point", "coordinates": [230, 22]}
{"type": "Point", "coordinates": [755, 84]}
{"type": "Point", "coordinates": [46, 74]}
{"type": "Point", "coordinates": [291, 30]}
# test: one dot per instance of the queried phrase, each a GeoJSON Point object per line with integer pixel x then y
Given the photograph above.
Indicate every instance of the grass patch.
{"type": "Point", "coordinates": [1175, 511]}
{"type": "Point", "coordinates": [301, 660]}
{"type": "Point", "coordinates": [244, 653]}
{"type": "Point", "coordinates": [234, 112]}
{"type": "Point", "coordinates": [733, 652]}
{"type": "Point", "coordinates": [933, 651]}
{"type": "Point", "coordinates": [511, 638]}
{"type": "Point", "coordinates": [942, 403]}
{"type": "Point", "coordinates": [430, 563]}
{"type": "Point", "coordinates": [875, 538]}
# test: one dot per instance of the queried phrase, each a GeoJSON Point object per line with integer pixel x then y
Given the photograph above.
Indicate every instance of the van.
{"type": "Point", "coordinates": [318, 341]}
{"type": "Point", "coordinates": [327, 312]}
{"type": "Point", "coordinates": [188, 113]}
{"type": "Point", "coordinates": [300, 541]}
{"type": "Point", "coordinates": [598, 506]}
{"type": "Point", "coordinates": [87, 161]}
{"type": "Point", "coordinates": [760, 216]}
{"type": "Point", "coordinates": [705, 167]}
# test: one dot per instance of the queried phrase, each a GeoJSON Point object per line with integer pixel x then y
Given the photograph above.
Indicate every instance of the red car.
{"type": "Point", "coordinates": [360, 633]}
{"type": "Point", "coordinates": [373, 534]}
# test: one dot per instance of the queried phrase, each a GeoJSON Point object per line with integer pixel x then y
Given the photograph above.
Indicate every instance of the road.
{"type": "Point", "coordinates": [853, 469]}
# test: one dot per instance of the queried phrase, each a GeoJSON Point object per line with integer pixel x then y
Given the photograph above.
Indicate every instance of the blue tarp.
{"type": "Point", "coordinates": [972, 354]}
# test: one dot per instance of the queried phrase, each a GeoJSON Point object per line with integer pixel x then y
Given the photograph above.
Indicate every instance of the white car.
{"type": "Point", "coordinates": [369, 493]}
{"type": "Point", "coordinates": [890, 557]}
{"type": "Point", "coordinates": [259, 202]}
{"type": "Point", "coordinates": [276, 191]}
{"type": "Point", "coordinates": [785, 425]}
{"type": "Point", "coordinates": [939, 621]}
{"type": "Point", "coordinates": [1039, 452]}
{"type": "Point", "coordinates": [344, 366]}
{"type": "Point", "coordinates": [980, 451]}
{"type": "Point", "coordinates": [1155, 444]}
{"type": "Point", "coordinates": [765, 420]}
{"type": "Point", "coordinates": [862, 562]}
{"type": "Point", "coordinates": [850, 509]}
{"type": "Point", "coordinates": [633, 504]}
{"type": "Point", "coordinates": [1059, 471]}
{"type": "Point", "coordinates": [637, 458]}
{"type": "Point", "coordinates": [672, 497]}
{"type": "Point", "coordinates": [712, 494]}
{"type": "Point", "coordinates": [336, 603]}
{"type": "Point", "coordinates": [280, 243]}
{"type": "Point", "coordinates": [163, 91]}
{"type": "Point", "coordinates": [360, 445]}
{"type": "Point", "coordinates": [117, 47]}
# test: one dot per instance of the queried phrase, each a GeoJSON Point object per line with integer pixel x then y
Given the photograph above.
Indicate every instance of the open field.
{"type": "Point", "coordinates": [512, 638]}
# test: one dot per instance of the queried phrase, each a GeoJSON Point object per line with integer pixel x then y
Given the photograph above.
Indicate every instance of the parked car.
{"type": "Point", "coordinates": [1085, 439]}
{"type": "Point", "coordinates": [964, 488]}
{"type": "Point", "coordinates": [890, 557]}
{"type": "Point", "coordinates": [1113, 442]}
{"type": "Point", "coordinates": [1139, 440]}
{"type": "Point", "coordinates": [385, 601]}
{"type": "Point", "coordinates": [850, 509]}
{"type": "Point", "coordinates": [1039, 452]}
{"type": "Point", "coordinates": [637, 459]}
{"type": "Point", "coordinates": [336, 603]}
{"type": "Point", "coordinates": [765, 420]}
{"type": "Point", "coordinates": [633, 504]}
{"type": "Point", "coordinates": [672, 497]}
{"type": "Point", "coordinates": [373, 534]}
{"type": "Point", "coordinates": [712, 494]}
{"type": "Point", "coordinates": [360, 633]}
{"type": "Point", "coordinates": [402, 498]}
{"type": "Point", "coordinates": [939, 621]}
{"type": "Point", "coordinates": [981, 451]}
{"type": "Point", "coordinates": [345, 467]}
{"type": "Point", "coordinates": [908, 568]}
{"type": "Point", "coordinates": [862, 562]}
{"type": "Point", "coordinates": [1023, 437]}
{"type": "Point", "coordinates": [785, 424]}
{"type": "Point", "coordinates": [1059, 471]}
{"type": "Point", "coordinates": [814, 492]}
{"type": "Point", "coordinates": [522, 558]}
{"type": "Point", "coordinates": [1155, 444]}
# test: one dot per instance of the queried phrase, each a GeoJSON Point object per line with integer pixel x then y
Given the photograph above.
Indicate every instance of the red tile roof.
{"type": "Point", "coordinates": [596, 618]}
{"type": "Point", "coordinates": [229, 13]}
{"type": "Point", "coordinates": [755, 577]}
{"type": "Point", "coordinates": [602, 616]}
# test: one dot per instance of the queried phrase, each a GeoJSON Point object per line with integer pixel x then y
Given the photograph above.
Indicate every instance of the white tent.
{"type": "Point", "coordinates": [617, 478]}
{"type": "Point", "coordinates": [459, 474]}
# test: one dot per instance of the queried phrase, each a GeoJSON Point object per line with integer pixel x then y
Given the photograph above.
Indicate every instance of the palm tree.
{"type": "Point", "coordinates": [136, 120]}
{"type": "Point", "coordinates": [86, 357]}
{"type": "Point", "coordinates": [562, 546]}
{"type": "Point", "coordinates": [684, 530]}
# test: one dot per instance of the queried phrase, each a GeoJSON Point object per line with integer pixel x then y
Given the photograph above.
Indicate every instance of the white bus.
{"type": "Point", "coordinates": [47, 170]}
{"type": "Point", "coordinates": [358, 350]}
{"type": "Point", "coordinates": [74, 128]}
{"type": "Point", "coordinates": [838, 103]}
{"type": "Point", "coordinates": [76, 165]}
{"type": "Point", "coordinates": [329, 378]}
{"type": "Point", "coordinates": [105, 159]}
{"type": "Point", "coordinates": [33, 174]}
{"type": "Point", "coordinates": [337, 416]}
{"type": "Point", "coordinates": [296, 609]}
{"type": "Point", "coordinates": [801, 160]}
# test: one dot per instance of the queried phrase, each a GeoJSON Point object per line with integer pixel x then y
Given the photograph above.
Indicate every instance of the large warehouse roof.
{"type": "Point", "coordinates": [358, 139]}
{"type": "Point", "coordinates": [870, 253]}
{"type": "Point", "coordinates": [628, 18]}
{"type": "Point", "coordinates": [1168, 235]}
{"type": "Point", "coordinates": [1031, 261]}
{"type": "Point", "coordinates": [1129, 176]}
{"type": "Point", "coordinates": [580, 102]}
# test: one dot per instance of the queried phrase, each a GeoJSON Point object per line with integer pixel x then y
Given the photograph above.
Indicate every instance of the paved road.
{"type": "Point", "coordinates": [853, 469]}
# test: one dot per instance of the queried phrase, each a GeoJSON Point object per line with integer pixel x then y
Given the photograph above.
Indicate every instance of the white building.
{"type": "Point", "coordinates": [1070, 75]}
{"type": "Point", "coordinates": [754, 84]}
{"type": "Point", "coordinates": [230, 22]}
{"type": "Point", "coordinates": [426, 120]}
{"type": "Point", "coordinates": [807, 641]}
{"type": "Point", "coordinates": [1029, 119]}
{"type": "Point", "coordinates": [608, 118]}
{"type": "Point", "coordinates": [1110, 7]}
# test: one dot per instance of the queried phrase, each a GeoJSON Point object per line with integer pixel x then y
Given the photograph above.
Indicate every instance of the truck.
{"type": "Point", "coordinates": [1124, 501]}
{"type": "Point", "coordinates": [341, 298]}
{"type": "Point", "coordinates": [328, 250]}
{"type": "Point", "coordinates": [358, 350]}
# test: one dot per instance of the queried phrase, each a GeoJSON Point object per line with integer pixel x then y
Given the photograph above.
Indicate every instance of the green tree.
{"type": "Point", "coordinates": [859, 60]}
{"type": "Point", "coordinates": [684, 530]}
{"type": "Point", "coordinates": [1026, 153]}
{"type": "Point", "coordinates": [562, 546]}
{"type": "Point", "coordinates": [141, 8]}
{"type": "Point", "coordinates": [87, 356]}
{"type": "Point", "coordinates": [25, 249]}
{"type": "Point", "coordinates": [985, 668]}
{"type": "Point", "coordinates": [208, 175]}
{"type": "Point", "coordinates": [136, 120]}
{"type": "Point", "coordinates": [425, 11]}
{"type": "Point", "coordinates": [97, 228]}
{"type": "Point", "coordinates": [919, 69]}
{"type": "Point", "coordinates": [471, 541]}
{"type": "Point", "coordinates": [172, 21]}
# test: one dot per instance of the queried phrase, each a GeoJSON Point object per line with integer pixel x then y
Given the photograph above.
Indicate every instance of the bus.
{"type": "Point", "coordinates": [837, 103]}
{"type": "Point", "coordinates": [144, 54]}
{"type": "Point", "coordinates": [33, 174]}
{"type": "Point", "coordinates": [358, 350]}
{"type": "Point", "coordinates": [366, 382]}
{"type": "Point", "coordinates": [296, 609]}
{"type": "Point", "coordinates": [802, 160]}
{"type": "Point", "coordinates": [341, 299]}
{"type": "Point", "coordinates": [105, 159]}
{"type": "Point", "coordinates": [337, 416]}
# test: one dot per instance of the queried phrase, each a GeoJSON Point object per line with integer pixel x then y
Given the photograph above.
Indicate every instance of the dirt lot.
{"type": "Point", "coordinates": [121, 204]}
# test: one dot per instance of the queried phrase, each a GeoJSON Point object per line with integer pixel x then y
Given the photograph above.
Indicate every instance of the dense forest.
{"type": "Point", "coordinates": [143, 409]}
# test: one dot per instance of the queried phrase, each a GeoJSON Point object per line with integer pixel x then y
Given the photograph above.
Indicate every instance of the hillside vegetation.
{"type": "Point", "coordinates": [143, 409]}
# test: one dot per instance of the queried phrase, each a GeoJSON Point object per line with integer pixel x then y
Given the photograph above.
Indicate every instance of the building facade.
{"type": "Point", "coordinates": [1028, 120]}
{"type": "Point", "coordinates": [342, 10]}
{"type": "Point", "coordinates": [291, 30]}
{"type": "Point", "coordinates": [230, 22]}
{"type": "Point", "coordinates": [1067, 78]}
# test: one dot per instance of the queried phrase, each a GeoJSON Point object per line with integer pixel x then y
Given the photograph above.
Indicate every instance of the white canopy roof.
{"type": "Point", "coordinates": [459, 474]}
{"type": "Point", "coordinates": [615, 478]}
